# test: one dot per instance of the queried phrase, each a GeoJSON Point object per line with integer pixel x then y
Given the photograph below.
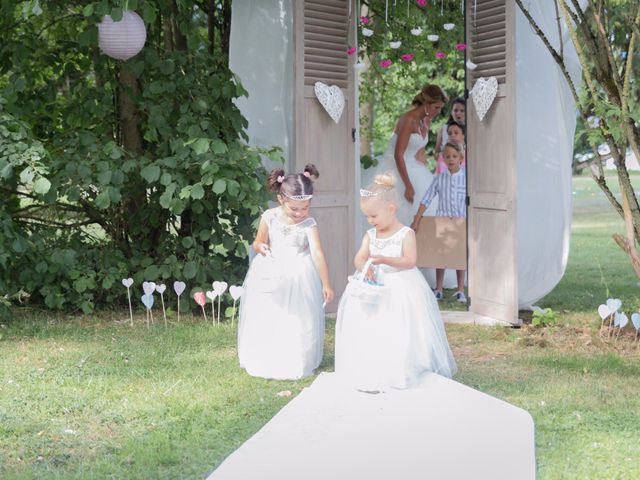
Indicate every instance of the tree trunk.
{"type": "Point", "coordinates": [179, 39]}
{"type": "Point", "coordinates": [211, 25]}
{"type": "Point", "coordinates": [128, 112]}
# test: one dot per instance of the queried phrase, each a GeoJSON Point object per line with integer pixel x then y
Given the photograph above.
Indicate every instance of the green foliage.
{"type": "Point", "coordinates": [391, 90]}
{"type": "Point", "coordinates": [544, 318]}
{"type": "Point", "coordinates": [113, 169]}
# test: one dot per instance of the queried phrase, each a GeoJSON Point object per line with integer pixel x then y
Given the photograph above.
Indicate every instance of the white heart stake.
{"type": "Point", "coordinates": [179, 287]}
{"type": "Point", "coordinates": [614, 304]}
{"type": "Point", "coordinates": [127, 282]}
{"type": "Point", "coordinates": [219, 288]}
{"type": "Point", "coordinates": [148, 287]}
{"type": "Point", "coordinates": [211, 295]}
{"type": "Point", "coordinates": [160, 288]}
{"type": "Point", "coordinates": [635, 319]}
{"type": "Point", "coordinates": [603, 311]}
{"type": "Point", "coordinates": [623, 320]}
{"type": "Point", "coordinates": [484, 93]}
{"type": "Point", "coordinates": [331, 98]}
{"type": "Point", "coordinates": [235, 291]}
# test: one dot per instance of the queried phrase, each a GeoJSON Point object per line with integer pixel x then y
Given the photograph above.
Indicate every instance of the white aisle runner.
{"type": "Point", "coordinates": [443, 431]}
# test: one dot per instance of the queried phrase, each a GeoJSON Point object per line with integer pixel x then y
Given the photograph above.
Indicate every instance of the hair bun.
{"type": "Point", "coordinates": [311, 172]}
{"type": "Point", "coordinates": [386, 180]}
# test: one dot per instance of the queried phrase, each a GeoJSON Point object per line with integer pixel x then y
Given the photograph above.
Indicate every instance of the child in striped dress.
{"type": "Point", "coordinates": [450, 187]}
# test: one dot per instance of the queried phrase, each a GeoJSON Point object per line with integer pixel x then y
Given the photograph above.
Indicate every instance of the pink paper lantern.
{"type": "Point", "coordinates": [124, 39]}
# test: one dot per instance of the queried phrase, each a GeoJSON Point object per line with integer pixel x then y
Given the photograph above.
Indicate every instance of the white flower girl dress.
{"type": "Point", "coordinates": [281, 328]}
{"type": "Point", "coordinates": [397, 340]}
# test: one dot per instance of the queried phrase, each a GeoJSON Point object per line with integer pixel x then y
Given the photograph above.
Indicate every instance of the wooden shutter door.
{"type": "Point", "coordinates": [491, 170]}
{"type": "Point", "coordinates": [320, 35]}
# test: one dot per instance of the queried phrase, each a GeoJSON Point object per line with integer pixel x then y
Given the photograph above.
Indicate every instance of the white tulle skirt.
{"type": "Point", "coordinates": [281, 329]}
{"type": "Point", "coordinates": [395, 342]}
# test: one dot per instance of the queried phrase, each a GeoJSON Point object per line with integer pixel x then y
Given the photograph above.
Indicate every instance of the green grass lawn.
{"type": "Point", "coordinates": [89, 397]}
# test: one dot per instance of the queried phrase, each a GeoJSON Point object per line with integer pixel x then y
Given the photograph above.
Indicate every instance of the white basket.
{"type": "Point", "coordinates": [360, 289]}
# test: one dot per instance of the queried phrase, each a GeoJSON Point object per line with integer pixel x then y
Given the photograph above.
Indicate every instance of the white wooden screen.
{"type": "Point", "coordinates": [491, 167]}
{"type": "Point", "coordinates": [321, 35]}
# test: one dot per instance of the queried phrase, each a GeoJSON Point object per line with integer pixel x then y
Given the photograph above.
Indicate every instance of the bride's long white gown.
{"type": "Point", "coordinates": [421, 178]}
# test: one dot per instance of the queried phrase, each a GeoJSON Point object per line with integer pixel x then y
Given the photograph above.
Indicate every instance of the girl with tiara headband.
{"type": "Point", "coordinates": [393, 335]}
{"type": "Point", "coordinates": [281, 328]}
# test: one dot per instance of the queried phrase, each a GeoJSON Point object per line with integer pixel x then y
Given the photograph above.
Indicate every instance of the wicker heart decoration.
{"type": "Point", "coordinates": [331, 98]}
{"type": "Point", "coordinates": [484, 93]}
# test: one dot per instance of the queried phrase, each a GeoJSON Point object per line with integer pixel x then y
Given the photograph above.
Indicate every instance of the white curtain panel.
{"type": "Point", "coordinates": [261, 54]}
{"type": "Point", "coordinates": [545, 122]}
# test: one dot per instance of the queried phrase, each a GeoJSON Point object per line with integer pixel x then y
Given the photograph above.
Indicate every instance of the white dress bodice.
{"type": "Point", "coordinates": [387, 247]}
{"type": "Point", "coordinates": [285, 239]}
{"type": "Point", "coordinates": [415, 143]}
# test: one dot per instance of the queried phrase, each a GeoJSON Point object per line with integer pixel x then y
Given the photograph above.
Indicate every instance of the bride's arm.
{"type": "Point", "coordinates": [405, 128]}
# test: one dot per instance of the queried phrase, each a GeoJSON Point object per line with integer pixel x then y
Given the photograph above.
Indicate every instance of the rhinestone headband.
{"type": "Point", "coordinates": [298, 197]}
{"type": "Point", "coordinates": [367, 193]}
{"type": "Point", "coordinates": [364, 193]}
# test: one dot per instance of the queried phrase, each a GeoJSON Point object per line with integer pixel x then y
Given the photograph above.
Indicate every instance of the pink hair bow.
{"type": "Point", "coordinates": [280, 179]}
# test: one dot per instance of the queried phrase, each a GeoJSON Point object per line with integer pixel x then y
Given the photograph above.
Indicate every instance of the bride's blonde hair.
{"type": "Point", "coordinates": [382, 188]}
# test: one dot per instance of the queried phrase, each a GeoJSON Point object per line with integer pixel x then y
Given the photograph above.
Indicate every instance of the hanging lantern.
{"type": "Point", "coordinates": [124, 39]}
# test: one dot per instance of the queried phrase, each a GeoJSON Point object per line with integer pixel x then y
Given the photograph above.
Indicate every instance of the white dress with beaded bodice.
{"type": "Point", "coordinates": [281, 329]}
{"type": "Point", "coordinates": [396, 341]}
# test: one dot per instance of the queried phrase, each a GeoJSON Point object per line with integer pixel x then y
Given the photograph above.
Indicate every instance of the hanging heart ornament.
{"type": "Point", "coordinates": [484, 93]}
{"type": "Point", "coordinates": [331, 98]}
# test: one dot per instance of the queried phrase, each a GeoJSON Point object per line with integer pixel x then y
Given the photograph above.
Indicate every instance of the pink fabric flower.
{"type": "Point", "coordinates": [422, 3]}
{"type": "Point", "coordinates": [461, 46]}
{"type": "Point", "coordinates": [407, 57]}
{"type": "Point", "coordinates": [385, 63]}
{"type": "Point", "coordinates": [440, 54]}
{"type": "Point", "coordinates": [351, 50]}
{"type": "Point", "coordinates": [365, 20]}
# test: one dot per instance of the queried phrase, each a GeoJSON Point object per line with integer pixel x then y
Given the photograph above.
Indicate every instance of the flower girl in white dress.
{"type": "Point", "coordinates": [389, 333]}
{"type": "Point", "coordinates": [281, 328]}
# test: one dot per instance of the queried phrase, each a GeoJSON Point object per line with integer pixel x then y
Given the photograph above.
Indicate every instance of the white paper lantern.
{"type": "Point", "coordinates": [124, 39]}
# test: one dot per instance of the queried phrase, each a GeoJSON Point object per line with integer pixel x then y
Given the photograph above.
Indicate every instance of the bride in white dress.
{"type": "Point", "coordinates": [405, 158]}
{"type": "Point", "coordinates": [405, 153]}
{"type": "Point", "coordinates": [389, 332]}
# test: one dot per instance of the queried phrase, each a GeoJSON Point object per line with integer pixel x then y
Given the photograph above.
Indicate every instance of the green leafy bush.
{"type": "Point", "coordinates": [116, 169]}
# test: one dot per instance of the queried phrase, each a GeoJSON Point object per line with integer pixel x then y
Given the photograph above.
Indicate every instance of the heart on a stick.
{"type": "Point", "coordinates": [161, 288]}
{"type": "Point", "coordinates": [484, 93]}
{"type": "Point", "coordinates": [235, 291]}
{"type": "Point", "coordinates": [199, 298]}
{"type": "Point", "coordinates": [148, 287]}
{"type": "Point", "coordinates": [635, 319]}
{"type": "Point", "coordinates": [603, 311]}
{"type": "Point", "coordinates": [147, 299]}
{"type": "Point", "coordinates": [219, 287]}
{"type": "Point", "coordinates": [179, 287]}
{"type": "Point", "coordinates": [613, 304]}
{"type": "Point", "coordinates": [211, 294]}
{"type": "Point", "coordinates": [621, 320]}
{"type": "Point", "coordinates": [331, 98]}
{"type": "Point", "coordinates": [127, 282]}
